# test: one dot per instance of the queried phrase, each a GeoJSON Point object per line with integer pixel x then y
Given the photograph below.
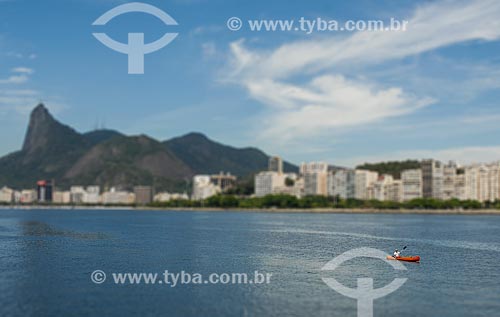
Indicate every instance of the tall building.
{"type": "Point", "coordinates": [342, 183]}
{"type": "Point", "coordinates": [143, 195]}
{"type": "Point", "coordinates": [449, 179]}
{"type": "Point", "coordinates": [363, 181]}
{"type": "Point", "coordinates": [381, 189]}
{"type": "Point", "coordinates": [224, 181]}
{"type": "Point", "coordinates": [412, 184]}
{"type": "Point", "coordinates": [460, 188]}
{"type": "Point", "coordinates": [77, 194]}
{"type": "Point", "coordinates": [275, 164]}
{"type": "Point", "coordinates": [203, 187]}
{"type": "Point", "coordinates": [92, 195]}
{"type": "Point", "coordinates": [394, 191]}
{"type": "Point", "coordinates": [267, 182]}
{"type": "Point", "coordinates": [315, 178]}
{"type": "Point", "coordinates": [432, 176]}
{"type": "Point", "coordinates": [44, 191]}
{"type": "Point", "coordinates": [494, 181]}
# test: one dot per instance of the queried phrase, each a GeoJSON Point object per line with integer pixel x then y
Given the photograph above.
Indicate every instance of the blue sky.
{"type": "Point", "coordinates": [342, 97]}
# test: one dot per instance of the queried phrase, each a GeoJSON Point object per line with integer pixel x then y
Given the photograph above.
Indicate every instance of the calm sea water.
{"type": "Point", "coordinates": [47, 256]}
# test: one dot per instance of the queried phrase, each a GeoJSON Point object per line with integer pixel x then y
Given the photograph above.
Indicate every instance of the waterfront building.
{"type": "Point", "coordinates": [315, 178]}
{"type": "Point", "coordinates": [117, 197]}
{"type": "Point", "coordinates": [411, 184]}
{"type": "Point", "coordinates": [341, 183]}
{"type": "Point", "coordinates": [223, 181]}
{"type": "Point", "coordinates": [275, 164]}
{"type": "Point", "coordinates": [166, 196]}
{"type": "Point", "coordinates": [460, 185]}
{"type": "Point", "coordinates": [449, 179]}
{"type": "Point", "coordinates": [432, 176]}
{"type": "Point", "coordinates": [203, 187]}
{"type": "Point", "coordinates": [6, 195]}
{"type": "Point", "coordinates": [494, 181]}
{"type": "Point", "coordinates": [143, 195]}
{"type": "Point", "coordinates": [77, 194]}
{"type": "Point", "coordinates": [394, 191]}
{"type": "Point", "coordinates": [381, 188]}
{"type": "Point", "coordinates": [363, 180]}
{"type": "Point", "coordinates": [268, 182]}
{"type": "Point", "coordinates": [61, 197]}
{"type": "Point", "coordinates": [44, 191]}
{"type": "Point", "coordinates": [289, 184]}
{"type": "Point", "coordinates": [28, 196]}
{"type": "Point", "coordinates": [92, 195]}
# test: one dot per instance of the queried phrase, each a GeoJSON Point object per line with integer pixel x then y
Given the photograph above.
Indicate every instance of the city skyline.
{"type": "Point", "coordinates": [436, 100]}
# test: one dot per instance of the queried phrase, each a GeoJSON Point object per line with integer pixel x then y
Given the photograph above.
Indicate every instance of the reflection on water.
{"type": "Point", "coordinates": [40, 229]}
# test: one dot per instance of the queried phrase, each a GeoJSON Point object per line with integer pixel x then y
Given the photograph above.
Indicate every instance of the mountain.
{"type": "Point", "coordinates": [129, 160]}
{"type": "Point", "coordinates": [98, 136]}
{"type": "Point", "coordinates": [49, 149]}
{"type": "Point", "coordinates": [205, 156]}
{"type": "Point", "coordinates": [52, 150]}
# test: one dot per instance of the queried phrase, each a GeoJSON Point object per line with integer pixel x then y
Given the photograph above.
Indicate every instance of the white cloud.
{"type": "Point", "coordinates": [23, 70]}
{"type": "Point", "coordinates": [21, 75]}
{"type": "Point", "coordinates": [327, 100]}
{"type": "Point", "coordinates": [14, 79]}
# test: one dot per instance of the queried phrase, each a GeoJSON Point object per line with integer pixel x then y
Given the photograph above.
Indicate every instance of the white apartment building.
{"type": "Point", "coordinates": [28, 196]}
{"type": "Point", "coordinates": [267, 183]}
{"type": "Point", "coordinates": [381, 188]}
{"type": "Point", "coordinates": [89, 195]}
{"type": "Point", "coordinates": [116, 197]}
{"type": "Point", "coordinates": [460, 188]}
{"type": "Point", "coordinates": [494, 181]}
{"type": "Point", "coordinates": [297, 189]}
{"type": "Point", "coordinates": [363, 181]}
{"type": "Point", "coordinates": [166, 196]}
{"type": "Point", "coordinates": [92, 195]}
{"type": "Point", "coordinates": [203, 187]}
{"type": "Point", "coordinates": [61, 197]}
{"type": "Point", "coordinates": [449, 179]}
{"type": "Point", "coordinates": [394, 191]}
{"type": "Point", "coordinates": [315, 178]}
{"type": "Point", "coordinates": [432, 175]}
{"type": "Point", "coordinates": [77, 194]}
{"type": "Point", "coordinates": [411, 184]}
{"type": "Point", "coordinates": [6, 195]}
{"type": "Point", "coordinates": [341, 183]}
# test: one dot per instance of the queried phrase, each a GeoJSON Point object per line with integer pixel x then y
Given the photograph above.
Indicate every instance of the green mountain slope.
{"type": "Point", "coordinates": [205, 156]}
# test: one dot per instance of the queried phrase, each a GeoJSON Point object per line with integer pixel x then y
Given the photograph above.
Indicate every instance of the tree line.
{"type": "Point", "coordinates": [309, 202]}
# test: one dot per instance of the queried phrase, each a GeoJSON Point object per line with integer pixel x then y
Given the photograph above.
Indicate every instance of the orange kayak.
{"type": "Point", "coordinates": [405, 258]}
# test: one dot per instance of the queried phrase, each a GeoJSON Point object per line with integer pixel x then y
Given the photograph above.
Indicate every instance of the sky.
{"type": "Point", "coordinates": [342, 97]}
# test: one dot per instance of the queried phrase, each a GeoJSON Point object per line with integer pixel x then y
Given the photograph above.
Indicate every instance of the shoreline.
{"type": "Point", "coordinates": [270, 210]}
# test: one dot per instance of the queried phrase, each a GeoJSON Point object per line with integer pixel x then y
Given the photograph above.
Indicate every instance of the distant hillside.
{"type": "Point", "coordinates": [98, 136]}
{"type": "Point", "coordinates": [52, 150]}
{"type": "Point", "coordinates": [205, 156]}
{"type": "Point", "coordinates": [393, 168]}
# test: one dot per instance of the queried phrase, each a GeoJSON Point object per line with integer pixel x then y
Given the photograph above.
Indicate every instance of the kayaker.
{"type": "Point", "coordinates": [397, 253]}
